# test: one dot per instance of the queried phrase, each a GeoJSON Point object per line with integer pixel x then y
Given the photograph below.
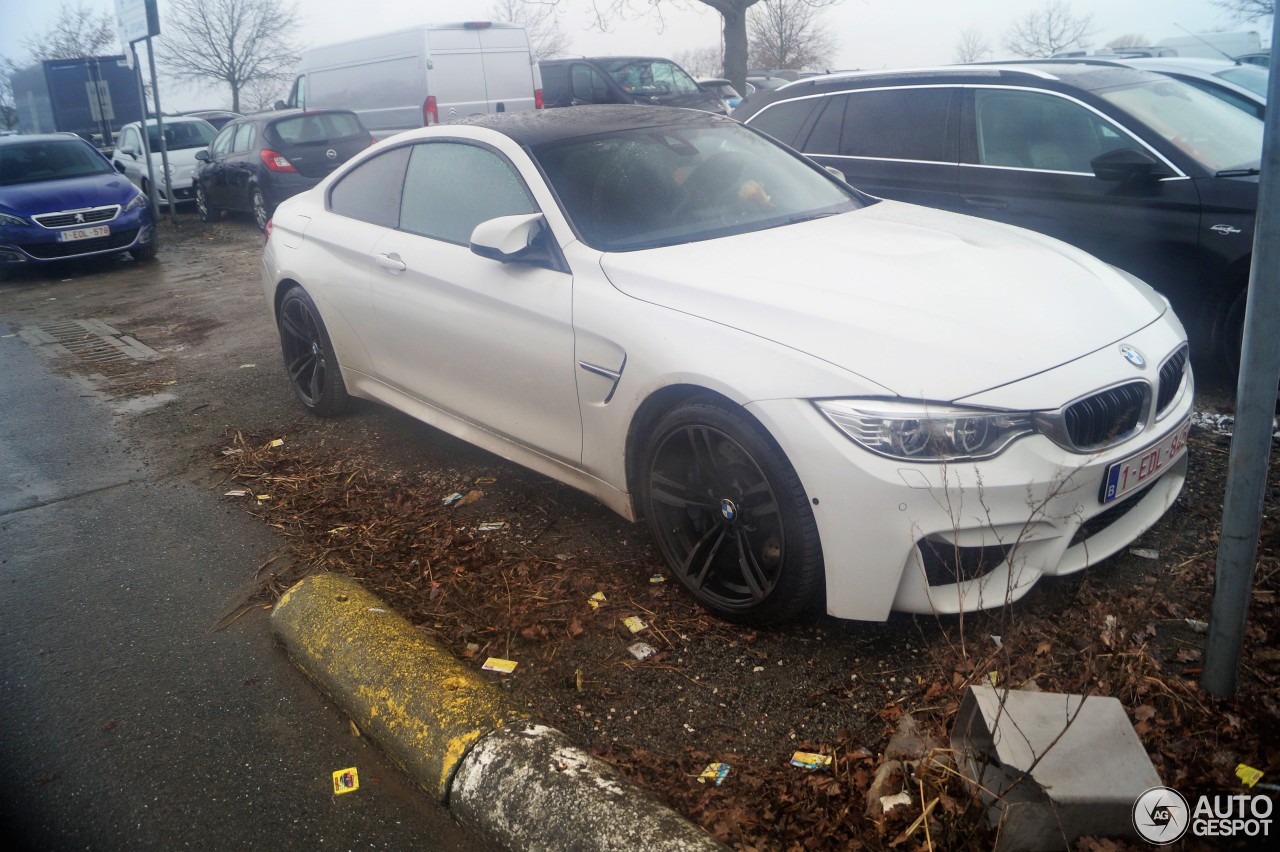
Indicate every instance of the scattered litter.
{"type": "Point", "coordinates": [231, 451]}
{"type": "Point", "coordinates": [999, 642]}
{"type": "Point", "coordinates": [642, 650]}
{"type": "Point", "coordinates": [471, 496]}
{"type": "Point", "coordinates": [278, 442]}
{"type": "Point", "coordinates": [473, 648]}
{"type": "Point", "coordinates": [758, 669]}
{"type": "Point", "coordinates": [262, 498]}
{"type": "Point", "coordinates": [994, 678]}
{"type": "Point", "coordinates": [247, 366]}
{"type": "Point", "coordinates": [355, 729]}
{"type": "Point", "coordinates": [891, 802]}
{"type": "Point", "coordinates": [491, 526]}
{"type": "Point", "coordinates": [495, 664]}
{"type": "Point", "coordinates": [810, 760]}
{"type": "Point", "coordinates": [486, 480]}
{"type": "Point", "coordinates": [634, 624]}
{"type": "Point", "coordinates": [1248, 775]}
{"type": "Point", "coordinates": [1197, 625]}
{"type": "Point", "coordinates": [452, 498]}
{"type": "Point", "coordinates": [578, 679]}
{"type": "Point", "coordinates": [236, 492]}
{"type": "Point", "coordinates": [377, 609]}
{"type": "Point", "coordinates": [338, 530]}
{"type": "Point", "coordinates": [8, 335]}
{"type": "Point", "coordinates": [1221, 424]}
{"type": "Point", "coordinates": [1145, 553]}
{"type": "Point", "coordinates": [657, 578]}
{"type": "Point", "coordinates": [563, 557]}
{"type": "Point", "coordinates": [597, 600]}
{"type": "Point", "coordinates": [715, 772]}
{"type": "Point", "coordinates": [345, 781]}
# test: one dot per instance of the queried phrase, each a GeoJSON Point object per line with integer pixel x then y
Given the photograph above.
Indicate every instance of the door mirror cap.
{"type": "Point", "coordinates": [128, 149]}
{"type": "Point", "coordinates": [511, 239]}
{"type": "Point", "coordinates": [202, 155]}
{"type": "Point", "coordinates": [1126, 163]}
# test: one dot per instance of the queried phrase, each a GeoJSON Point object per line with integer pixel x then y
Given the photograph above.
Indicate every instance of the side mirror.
{"type": "Point", "coordinates": [1125, 163]}
{"type": "Point", "coordinates": [512, 239]}
{"type": "Point", "coordinates": [203, 155]}
{"type": "Point", "coordinates": [281, 105]}
{"type": "Point", "coordinates": [128, 149]}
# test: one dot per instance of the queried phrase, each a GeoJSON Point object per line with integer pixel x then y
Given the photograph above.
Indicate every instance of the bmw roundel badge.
{"type": "Point", "coordinates": [1133, 356]}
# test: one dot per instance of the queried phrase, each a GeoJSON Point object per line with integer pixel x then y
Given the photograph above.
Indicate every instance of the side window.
{"type": "Point", "coordinates": [1034, 130]}
{"type": "Point", "coordinates": [588, 85]}
{"type": "Point", "coordinates": [298, 97]}
{"type": "Point", "coordinates": [825, 138]}
{"type": "Point", "coordinates": [371, 192]}
{"type": "Point", "coordinates": [902, 124]}
{"type": "Point", "coordinates": [222, 144]}
{"type": "Point", "coordinates": [784, 121]}
{"type": "Point", "coordinates": [451, 187]}
{"type": "Point", "coordinates": [244, 138]}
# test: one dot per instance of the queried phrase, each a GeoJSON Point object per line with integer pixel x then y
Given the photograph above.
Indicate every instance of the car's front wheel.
{"type": "Point", "coordinates": [208, 213]}
{"type": "Point", "coordinates": [309, 358]}
{"type": "Point", "coordinates": [730, 515]}
{"type": "Point", "coordinates": [258, 204]}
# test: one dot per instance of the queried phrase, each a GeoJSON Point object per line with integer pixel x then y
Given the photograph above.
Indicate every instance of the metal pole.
{"type": "Point", "coordinates": [164, 146]}
{"type": "Point", "coordinates": [1255, 408]}
{"type": "Point", "coordinates": [153, 198]}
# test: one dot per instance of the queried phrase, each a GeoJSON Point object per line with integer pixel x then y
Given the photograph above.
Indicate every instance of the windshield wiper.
{"type": "Point", "coordinates": [1250, 172]}
{"type": "Point", "coordinates": [808, 217]}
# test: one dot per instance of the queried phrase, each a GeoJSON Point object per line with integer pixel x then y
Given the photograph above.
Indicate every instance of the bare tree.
{"type": "Point", "coordinates": [235, 42]}
{"type": "Point", "coordinates": [8, 105]}
{"type": "Point", "coordinates": [540, 20]}
{"type": "Point", "coordinates": [733, 13]}
{"type": "Point", "coordinates": [973, 45]}
{"type": "Point", "coordinates": [1045, 31]}
{"type": "Point", "coordinates": [1128, 40]}
{"type": "Point", "coordinates": [77, 32]}
{"type": "Point", "coordinates": [787, 34]}
{"type": "Point", "coordinates": [1247, 10]}
{"type": "Point", "coordinates": [701, 61]}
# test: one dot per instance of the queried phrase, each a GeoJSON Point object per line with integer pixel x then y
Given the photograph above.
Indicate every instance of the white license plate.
{"type": "Point", "coordinates": [1125, 477]}
{"type": "Point", "coordinates": [84, 233]}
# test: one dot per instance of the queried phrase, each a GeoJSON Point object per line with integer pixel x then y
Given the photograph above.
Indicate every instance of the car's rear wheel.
{"type": "Point", "coordinates": [730, 515]}
{"type": "Point", "coordinates": [208, 213]}
{"type": "Point", "coordinates": [309, 358]}
{"type": "Point", "coordinates": [258, 204]}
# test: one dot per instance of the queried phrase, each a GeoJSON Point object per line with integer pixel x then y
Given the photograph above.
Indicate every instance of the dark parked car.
{"type": "Point", "coordinates": [258, 161]}
{"type": "Point", "coordinates": [60, 198]}
{"type": "Point", "coordinates": [217, 117]}
{"type": "Point", "coordinates": [1143, 171]}
{"type": "Point", "coordinates": [624, 80]}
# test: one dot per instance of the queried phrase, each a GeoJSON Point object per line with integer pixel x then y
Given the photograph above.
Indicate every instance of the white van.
{"type": "Point", "coordinates": [428, 74]}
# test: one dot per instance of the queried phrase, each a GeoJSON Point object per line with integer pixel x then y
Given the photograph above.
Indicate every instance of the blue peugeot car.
{"type": "Point", "coordinates": [61, 199]}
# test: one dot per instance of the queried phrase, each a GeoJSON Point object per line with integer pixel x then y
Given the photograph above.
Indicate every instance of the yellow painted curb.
{"type": "Point", "coordinates": [403, 690]}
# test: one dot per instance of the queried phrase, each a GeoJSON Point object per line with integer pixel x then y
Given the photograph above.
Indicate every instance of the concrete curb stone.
{"type": "Point", "coordinates": [516, 783]}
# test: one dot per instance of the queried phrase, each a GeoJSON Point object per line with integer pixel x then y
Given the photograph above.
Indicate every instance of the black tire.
{"type": "Point", "coordinates": [1233, 337]}
{"type": "Point", "coordinates": [145, 252]}
{"type": "Point", "coordinates": [258, 204]}
{"type": "Point", "coordinates": [208, 213]}
{"type": "Point", "coordinates": [309, 360]}
{"type": "Point", "coordinates": [730, 515]}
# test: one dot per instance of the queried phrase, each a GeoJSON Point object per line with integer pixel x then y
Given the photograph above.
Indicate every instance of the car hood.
{"type": "Point", "coordinates": [929, 304]}
{"type": "Point", "coordinates": [27, 199]}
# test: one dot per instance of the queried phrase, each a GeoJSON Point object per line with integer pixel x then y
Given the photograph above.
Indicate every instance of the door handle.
{"type": "Point", "coordinates": [391, 262]}
{"type": "Point", "coordinates": [986, 203]}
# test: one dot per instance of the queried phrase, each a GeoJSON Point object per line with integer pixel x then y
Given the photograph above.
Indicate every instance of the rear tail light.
{"type": "Point", "coordinates": [373, 140]}
{"type": "Point", "coordinates": [430, 114]}
{"type": "Point", "coordinates": [276, 162]}
{"type": "Point", "coordinates": [266, 232]}
{"type": "Point", "coordinates": [537, 99]}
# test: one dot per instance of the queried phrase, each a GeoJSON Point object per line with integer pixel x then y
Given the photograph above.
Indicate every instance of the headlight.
{"type": "Point", "coordinates": [10, 219]}
{"type": "Point", "coordinates": [139, 200]}
{"type": "Point", "coordinates": [925, 433]}
{"type": "Point", "coordinates": [170, 170]}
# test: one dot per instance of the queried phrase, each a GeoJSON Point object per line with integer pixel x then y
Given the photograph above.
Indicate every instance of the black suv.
{"type": "Point", "coordinates": [1145, 172]}
{"type": "Point", "coordinates": [624, 80]}
{"type": "Point", "coordinates": [257, 161]}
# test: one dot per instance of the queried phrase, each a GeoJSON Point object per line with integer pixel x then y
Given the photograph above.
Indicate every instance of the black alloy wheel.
{"type": "Point", "coordinates": [309, 359]}
{"type": "Point", "coordinates": [730, 515]}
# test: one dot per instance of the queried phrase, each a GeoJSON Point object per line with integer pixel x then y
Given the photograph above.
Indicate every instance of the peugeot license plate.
{"type": "Point", "coordinates": [1125, 477]}
{"type": "Point", "coordinates": [84, 233]}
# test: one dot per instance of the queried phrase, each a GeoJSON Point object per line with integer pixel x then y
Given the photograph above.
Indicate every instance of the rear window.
{"type": "Point", "coordinates": [316, 128]}
{"type": "Point", "coordinates": [57, 159]}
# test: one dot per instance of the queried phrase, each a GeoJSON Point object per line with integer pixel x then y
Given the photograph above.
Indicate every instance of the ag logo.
{"type": "Point", "coordinates": [1161, 815]}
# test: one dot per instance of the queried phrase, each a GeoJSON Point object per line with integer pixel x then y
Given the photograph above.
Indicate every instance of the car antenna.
{"type": "Point", "coordinates": [1210, 44]}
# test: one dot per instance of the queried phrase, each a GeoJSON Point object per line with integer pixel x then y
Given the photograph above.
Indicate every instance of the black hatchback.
{"type": "Point", "coordinates": [258, 161]}
{"type": "Point", "coordinates": [1143, 171]}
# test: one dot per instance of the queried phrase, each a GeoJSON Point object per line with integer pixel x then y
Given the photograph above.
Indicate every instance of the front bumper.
{"type": "Point", "coordinates": [962, 536]}
{"type": "Point", "coordinates": [34, 244]}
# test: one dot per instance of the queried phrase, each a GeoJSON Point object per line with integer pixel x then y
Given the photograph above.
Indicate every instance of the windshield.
{"type": "Point", "coordinates": [181, 134]}
{"type": "Point", "coordinates": [650, 77]}
{"type": "Point", "coordinates": [50, 159]}
{"type": "Point", "coordinates": [661, 186]}
{"type": "Point", "coordinates": [1212, 132]}
{"type": "Point", "coordinates": [1250, 77]}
